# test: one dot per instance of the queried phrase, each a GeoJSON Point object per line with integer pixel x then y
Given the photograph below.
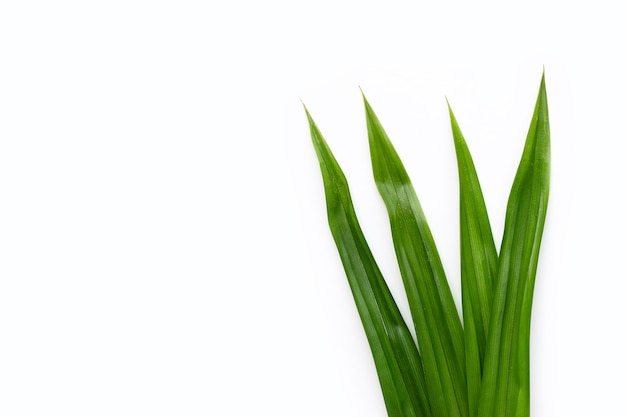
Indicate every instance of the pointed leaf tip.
{"type": "Point", "coordinates": [507, 355]}
{"type": "Point", "coordinates": [368, 106]}
{"type": "Point", "coordinates": [436, 320]}
{"type": "Point", "coordinates": [450, 111]}
{"type": "Point", "coordinates": [395, 353]}
{"type": "Point", "coordinates": [306, 111]}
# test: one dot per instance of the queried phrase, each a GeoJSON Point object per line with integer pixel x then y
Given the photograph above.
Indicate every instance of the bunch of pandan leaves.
{"type": "Point", "coordinates": [476, 369]}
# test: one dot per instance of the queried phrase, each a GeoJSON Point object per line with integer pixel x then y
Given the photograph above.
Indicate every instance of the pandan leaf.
{"type": "Point", "coordinates": [479, 261]}
{"type": "Point", "coordinates": [436, 319]}
{"type": "Point", "coordinates": [396, 357]}
{"type": "Point", "coordinates": [479, 371]}
{"type": "Point", "coordinates": [505, 388]}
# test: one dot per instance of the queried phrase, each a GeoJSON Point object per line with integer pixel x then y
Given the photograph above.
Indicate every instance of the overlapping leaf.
{"type": "Point", "coordinates": [436, 319]}
{"type": "Point", "coordinates": [479, 371]}
{"type": "Point", "coordinates": [395, 354]}
{"type": "Point", "coordinates": [506, 382]}
{"type": "Point", "coordinates": [479, 260]}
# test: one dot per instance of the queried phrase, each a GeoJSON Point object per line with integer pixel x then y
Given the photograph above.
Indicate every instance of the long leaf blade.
{"type": "Point", "coordinates": [479, 262]}
{"type": "Point", "coordinates": [396, 357]}
{"type": "Point", "coordinates": [506, 378]}
{"type": "Point", "coordinates": [436, 319]}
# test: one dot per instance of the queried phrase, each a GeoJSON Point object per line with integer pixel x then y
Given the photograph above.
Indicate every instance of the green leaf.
{"type": "Point", "coordinates": [506, 388]}
{"type": "Point", "coordinates": [436, 319]}
{"type": "Point", "coordinates": [395, 354]}
{"type": "Point", "coordinates": [479, 262]}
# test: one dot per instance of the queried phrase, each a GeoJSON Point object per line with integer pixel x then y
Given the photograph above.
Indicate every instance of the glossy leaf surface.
{"type": "Point", "coordinates": [395, 354]}
{"type": "Point", "coordinates": [479, 261]}
{"type": "Point", "coordinates": [436, 319]}
{"type": "Point", "coordinates": [481, 370]}
{"type": "Point", "coordinates": [506, 382]}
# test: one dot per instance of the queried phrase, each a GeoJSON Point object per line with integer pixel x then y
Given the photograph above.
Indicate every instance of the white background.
{"type": "Point", "coordinates": [163, 242]}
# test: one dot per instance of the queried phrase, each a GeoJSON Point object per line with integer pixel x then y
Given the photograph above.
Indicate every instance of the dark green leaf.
{"type": "Point", "coordinates": [506, 388]}
{"type": "Point", "coordinates": [479, 261]}
{"type": "Point", "coordinates": [395, 354]}
{"type": "Point", "coordinates": [436, 319]}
